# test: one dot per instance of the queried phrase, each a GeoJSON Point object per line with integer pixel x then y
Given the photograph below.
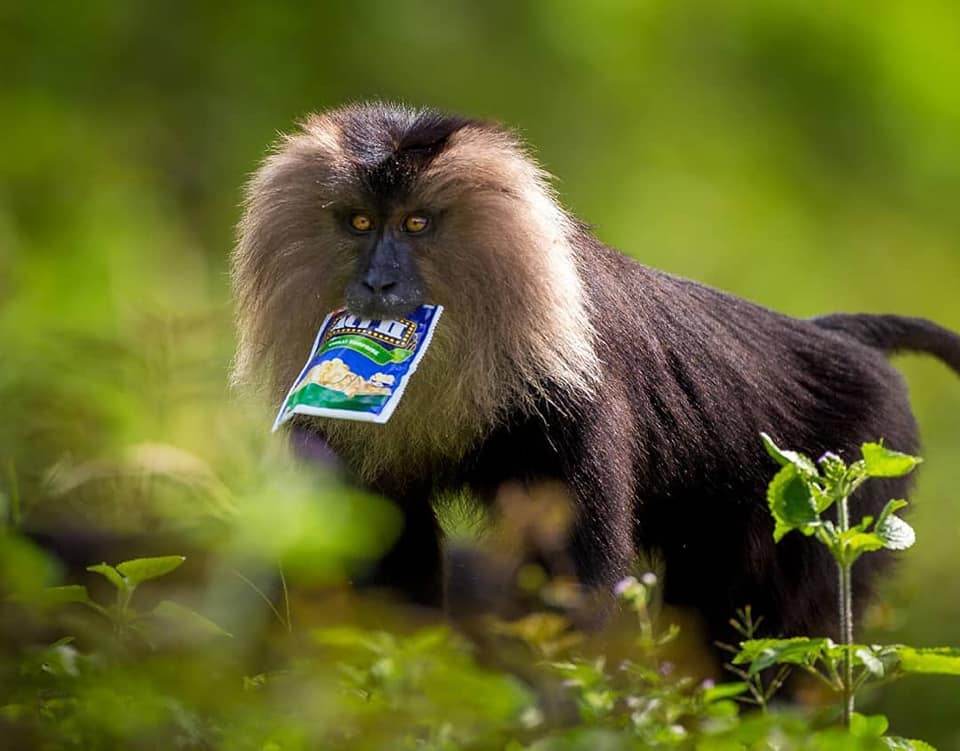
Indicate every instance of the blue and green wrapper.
{"type": "Point", "coordinates": [358, 367]}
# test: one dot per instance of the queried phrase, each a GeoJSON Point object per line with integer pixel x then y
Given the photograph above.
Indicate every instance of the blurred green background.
{"type": "Point", "coordinates": [806, 156]}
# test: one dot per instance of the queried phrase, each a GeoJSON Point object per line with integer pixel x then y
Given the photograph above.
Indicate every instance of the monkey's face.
{"type": "Point", "coordinates": [423, 208]}
{"type": "Point", "coordinates": [365, 208]}
{"type": "Point", "coordinates": [381, 209]}
{"type": "Point", "coordinates": [387, 283]}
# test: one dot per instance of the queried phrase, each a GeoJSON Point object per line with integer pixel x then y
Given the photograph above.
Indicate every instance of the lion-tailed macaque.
{"type": "Point", "coordinates": [559, 360]}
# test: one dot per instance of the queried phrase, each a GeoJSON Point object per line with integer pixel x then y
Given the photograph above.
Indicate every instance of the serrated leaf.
{"type": "Point", "coordinates": [890, 508]}
{"type": "Point", "coordinates": [764, 653]}
{"type": "Point", "coordinates": [109, 573]}
{"type": "Point", "coordinates": [896, 743]}
{"type": "Point", "coordinates": [803, 463]}
{"type": "Point", "coordinates": [895, 533]}
{"type": "Point", "coordinates": [821, 500]}
{"type": "Point", "coordinates": [186, 620]}
{"type": "Point", "coordinates": [940, 660]}
{"type": "Point", "coordinates": [855, 543]}
{"type": "Point", "coordinates": [140, 570]}
{"type": "Point", "coordinates": [883, 462]}
{"type": "Point", "coordinates": [780, 529]}
{"type": "Point", "coordinates": [790, 503]}
{"type": "Point", "coordinates": [864, 524]}
{"type": "Point", "coordinates": [872, 663]}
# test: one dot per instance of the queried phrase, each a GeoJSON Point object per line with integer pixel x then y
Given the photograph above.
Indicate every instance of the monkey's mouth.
{"type": "Point", "coordinates": [383, 305]}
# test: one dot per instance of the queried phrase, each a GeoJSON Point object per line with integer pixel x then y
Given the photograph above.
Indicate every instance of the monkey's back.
{"type": "Point", "coordinates": [704, 373]}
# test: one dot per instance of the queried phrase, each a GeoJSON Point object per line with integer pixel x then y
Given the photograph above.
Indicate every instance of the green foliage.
{"type": "Point", "coordinates": [399, 686]}
{"type": "Point", "coordinates": [139, 570]}
{"type": "Point", "coordinates": [800, 493]}
{"type": "Point", "coordinates": [61, 595]}
{"type": "Point", "coordinates": [797, 496]}
{"type": "Point", "coordinates": [168, 676]}
{"type": "Point", "coordinates": [760, 690]}
{"type": "Point", "coordinates": [943, 660]}
{"type": "Point", "coordinates": [832, 144]}
{"type": "Point", "coordinates": [639, 698]}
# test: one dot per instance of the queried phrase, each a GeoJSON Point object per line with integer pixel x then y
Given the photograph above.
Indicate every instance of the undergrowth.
{"type": "Point", "coordinates": [259, 645]}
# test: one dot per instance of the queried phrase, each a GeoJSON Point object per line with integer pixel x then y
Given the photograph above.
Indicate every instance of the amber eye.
{"type": "Point", "coordinates": [361, 222]}
{"type": "Point", "coordinates": [415, 223]}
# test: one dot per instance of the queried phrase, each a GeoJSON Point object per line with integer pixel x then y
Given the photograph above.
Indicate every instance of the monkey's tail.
{"type": "Point", "coordinates": [897, 334]}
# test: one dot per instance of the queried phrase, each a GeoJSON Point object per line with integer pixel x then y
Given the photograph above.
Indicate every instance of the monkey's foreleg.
{"type": "Point", "coordinates": [602, 552]}
{"type": "Point", "coordinates": [413, 566]}
{"type": "Point", "coordinates": [601, 478]}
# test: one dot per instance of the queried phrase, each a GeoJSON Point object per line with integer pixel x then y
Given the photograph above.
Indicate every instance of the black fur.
{"type": "Point", "coordinates": [667, 455]}
{"type": "Point", "coordinates": [897, 333]}
{"type": "Point", "coordinates": [391, 145]}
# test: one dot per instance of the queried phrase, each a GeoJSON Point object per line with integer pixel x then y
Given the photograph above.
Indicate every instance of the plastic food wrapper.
{"type": "Point", "coordinates": [358, 367]}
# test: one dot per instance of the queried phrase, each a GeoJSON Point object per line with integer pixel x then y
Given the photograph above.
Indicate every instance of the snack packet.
{"type": "Point", "coordinates": [358, 367]}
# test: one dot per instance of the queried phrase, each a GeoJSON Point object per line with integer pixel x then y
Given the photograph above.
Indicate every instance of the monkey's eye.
{"type": "Point", "coordinates": [415, 223]}
{"type": "Point", "coordinates": [361, 222]}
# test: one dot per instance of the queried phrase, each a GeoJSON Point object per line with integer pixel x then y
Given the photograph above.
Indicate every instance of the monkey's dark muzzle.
{"type": "Point", "coordinates": [387, 285]}
{"type": "Point", "coordinates": [395, 302]}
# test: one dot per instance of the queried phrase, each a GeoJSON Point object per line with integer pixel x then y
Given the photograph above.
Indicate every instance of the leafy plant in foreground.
{"type": "Point", "coordinates": [759, 690]}
{"type": "Point", "coordinates": [126, 577]}
{"type": "Point", "coordinates": [641, 699]}
{"type": "Point", "coordinates": [326, 681]}
{"type": "Point", "coordinates": [798, 496]}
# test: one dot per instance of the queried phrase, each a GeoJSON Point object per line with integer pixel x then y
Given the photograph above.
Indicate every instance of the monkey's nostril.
{"type": "Point", "coordinates": [378, 286]}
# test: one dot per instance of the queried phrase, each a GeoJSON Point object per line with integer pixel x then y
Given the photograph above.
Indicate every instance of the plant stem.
{"type": "Point", "coordinates": [846, 617]}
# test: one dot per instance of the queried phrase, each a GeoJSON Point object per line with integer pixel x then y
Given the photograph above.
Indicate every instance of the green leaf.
{"type": "Point", "coordinates": [883, 462]}
{"type": "Point", "coordinates": [428, 639]}
{"type": "Point", "coordinates": [895, 743]}
{"type": "Point", "coordinates": [890, 508]}
{"type": "Point", "coordinates": [141, 569]}
{"type": "Point", "coordinates": [856, 473]}
{"type": "Point", "coordinates": [724, 691]}
{"type": "Point", "coordinates": [53, 596]}
{"type": "Point", "coordinates": [790, 503]}
{"type": "Point", "coordinates": [804, 464]}
{"type": "Point", "coordinates": [855, 543]}
{"type": "Point", "coordinates": [863, 726]}
{"type": "Point", "coordinates": [346, 637]}
{"type": "Point", "coordinates": [872, 663]}
{"type": "Point", "coordinates": [188, 622]}
{"type": "Point", "coordinates": [764, 653]}
{"type": "Point", "coordinates": [895, 533]}
{"type": "Point", "coordinates": [110, 574]}
{"type": "Point", "coordinates": [821, 500]}
{"type": "Point", "coordinates": [599, 701]}
{"type": "Point", "coordinates": [940, 660]}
